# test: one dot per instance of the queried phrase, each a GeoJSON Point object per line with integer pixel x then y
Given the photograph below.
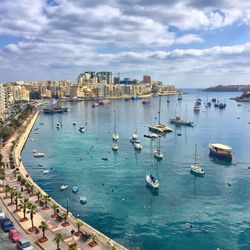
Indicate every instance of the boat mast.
{"type": "Point", "coordinates": [159, 112]}
{"type": "Point", "coordinates": [195, 153]}
{"type": "Point", "coordinates": [114, 121]}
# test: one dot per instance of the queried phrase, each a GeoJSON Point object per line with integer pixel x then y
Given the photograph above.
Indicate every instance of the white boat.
{"type": "Point", "coordinates": [58, 125]}
{"type": "Point", "coordinates": [151, 135]}
{"type": "Point", "coordinates": [45, 171]}
{"type": "Point", "coordinates": [37, 132]}
{"type": "Point", "coordinates": [196, 108]}
{"type": "Point", "coordinates": [34, 151]}
{"type": "Point", "coordinates": [158, 155]}
{"type": "Point", "coordinates": [152, 181]}
{"type": "Point", "coordinates": [63, 187]}
{"type": "Point", "coordinates": [83, 200]}
{"type": "Point", "coordinates": [135, 138]}
{"type": "Point", "coordinates": [115, 136]}
{"type": "Point", "coordinates": [38, 155]}
{"type": "Point", "coordinates": [137, 146]}
{"type": "Point", "coordinates": [196, 168]}
{"type": "Point", "coordinates": [115, 146]}
{"type": "Point", "coordinates": [82, 129]}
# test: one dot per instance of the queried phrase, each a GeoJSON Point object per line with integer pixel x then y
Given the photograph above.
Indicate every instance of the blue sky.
{"type": "Point", "coordinates": [188, 43]}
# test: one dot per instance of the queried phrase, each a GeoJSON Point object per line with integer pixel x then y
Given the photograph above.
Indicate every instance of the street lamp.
{"type": "Point", "coordinates": [67, 206]}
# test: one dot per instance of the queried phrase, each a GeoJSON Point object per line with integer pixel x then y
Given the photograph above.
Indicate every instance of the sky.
{"type": "Point", "coordinates": [188, 43]}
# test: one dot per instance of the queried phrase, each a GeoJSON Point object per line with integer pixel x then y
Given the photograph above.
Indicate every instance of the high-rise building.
{"type": "Point", "coordinates": [146, 79]}
{"type": "Point", "coordinates": [2, 102]}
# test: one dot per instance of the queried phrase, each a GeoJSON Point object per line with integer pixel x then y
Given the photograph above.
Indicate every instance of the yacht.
{"type": "Point", "coordinates": [220, 150]}
{"type": "Point", "coordinates": [137, 146]}
{"type": "Point", "coordinates": [151, 135]}
{"type": "Point", "coordinates": [115, 146]}
{"type": "Point", "coordinates": [177, 120]}
{"type": "Point", "coordinates": [152, 181]}
{"type": "Point", "coordinates": [63, 187]}
{"type": "Point", "coordinates": [196, 168]}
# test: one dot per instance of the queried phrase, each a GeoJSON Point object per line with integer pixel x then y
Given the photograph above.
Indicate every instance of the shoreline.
{"type": "Point", "coordinates": [17, 158]}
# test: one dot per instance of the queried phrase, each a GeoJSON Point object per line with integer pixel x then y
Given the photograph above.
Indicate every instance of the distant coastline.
{"type": "Point", "coordinates": [228, 88]}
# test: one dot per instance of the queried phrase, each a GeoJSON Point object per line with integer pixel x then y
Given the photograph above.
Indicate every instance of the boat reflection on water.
{"type": "Point", "coordinates": [153, 191]}
{"type": "Point", "coordinates": [220, 160]}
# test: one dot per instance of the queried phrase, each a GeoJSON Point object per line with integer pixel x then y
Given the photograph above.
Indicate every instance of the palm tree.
{"type": "Point", "coordinates": [32, 210]}
{"type": "Point", "coordinates": [6, 189]}
{"type": "Point", "coordinates": [54, 207]}
{"type": "Point", "coordinates": [18, 196]}
{"type": "Point", "coordinates": [65, 216]}
{"type": "Point", "coordinates": [32, 189]}
{"type": "Point", "coordinates": [24, 205]}
{"type": "Point", "coordinates": [12, 195]}
{"type": "Point", "coordinates": [43, 226]}
{"type": "Point", "coordinates": [79, 224]}
{"type": "Point", "coordinates": [27, 186]}
{"type": "Point", "coordinates": [46, 199]}
{"type": "Point", "coordinates": [39, 195]}
{"type": "Point", "coordinates": [58, 238]}
{"type": "Point", "coordinates": [19, 178]}
{"type": "Point", "coordinates": [73, 246]}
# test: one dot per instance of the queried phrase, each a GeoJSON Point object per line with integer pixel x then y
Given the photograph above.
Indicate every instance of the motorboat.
{"type": "Point", "coordinates": [104, 158]}
{"type": "Point", "coordinates": [222, 105]}
{"type": "Point", "coordinates": [83, 200]}
{"type": "Point", "coordinates": [137, 146]}
{"type": "Point", "coordinates": [177, 120]}
{"type": "Point", "coordinates": [82, 129]}
{"type": "Point", "coordinates": [58, 125]}
{"type": "Point", "coordinates": [40, 165]}
{"type": "Point", "coordinates": [151, 135]}
{"type": "Point", "coordinates": [196, 168]}
{"type": "Point", "coordinates": [158, 155]}
{"type": "Point", "coordinates": [34, 151]}
{"type": "Point", "coordinates": [152, 181]}
{"type": "Point", "coordinates": [45, 172]}
{"type": "Point", "coordinates": [95, 104]}
{"type": "Point", "coordinates": [38, 155]}
{"type": "Point", "coordinates": [115, 136]}
{"type": "Point", "coordinates": [74, 123]}
{"type": "Point", "coordinates": [216, 105]}
{"type": "Point", "coordinates": [179, 98]}
{"type": "Point", "coordinates": [75, 189]}
{"type": "Point", "coordinates": [63, 187]}
{"type": "Point", "coordinates": [220, 150]}
{"type": "Point", "coordinates": [213, 100]}
{"type": "Point", "coordinates": [134, 138]}
{"type": "Point", "coordinates": [115, 146]}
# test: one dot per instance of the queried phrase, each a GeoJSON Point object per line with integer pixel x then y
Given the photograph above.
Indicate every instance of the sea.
{"type": "Point", "coordinates": [187, 212]}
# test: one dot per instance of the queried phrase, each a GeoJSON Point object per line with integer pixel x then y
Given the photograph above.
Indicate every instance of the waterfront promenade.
{"type": "Point", "coordinates": [54, 223]}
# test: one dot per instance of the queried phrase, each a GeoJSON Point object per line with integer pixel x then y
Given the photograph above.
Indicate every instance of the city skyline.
{"type": "Point", "coordinates": [180, 43]}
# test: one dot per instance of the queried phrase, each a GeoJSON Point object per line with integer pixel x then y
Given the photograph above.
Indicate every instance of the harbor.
{"type": "Point", "coordinates": [119, 203]}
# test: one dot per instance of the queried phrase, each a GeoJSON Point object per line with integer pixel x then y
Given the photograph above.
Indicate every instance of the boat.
{"type": "Point", "coordinates": [152, 181]}
{"type": "Point", "coordinates": [151, 135]}
{"type": "Point", "coordinates": [63, 187]}
{"type": "Point", "coordinates": [83, 200]}
{"type": "Point", "coordinates": [135, 98]}
{"type": "Point", "coordinates": [95, 104]}
{"type": "Point", "coordinates": [160, 128]}
{"type": "Point", "coordinates": [40, 165]}
{"type": "Point", "coordinates": [168, 101]}
{"type": "Point", "coordinates": [213, 100]}
{"type": "Point", "coordinates": [55, 109]}
{"type": "Point", "coordinates": [104, 158]}
{"type": "Point", "coordinates": [82, 129]}
{"type": "Point", "coordinates": [127, 99]}
{"type": "Point", "coordinates": [115, 146]}
{"type": "Point", "coordinates": [222, 105]}
{"type": "Point", "coordinates": [137, 146]}
{"type": "Point", "coordinates": [58, 125]}
{"type": "Point", "coordinates": [38, 155]}
{"type": "Point", "coordinates": [115, 135]}
{"type": "Point", "coordinates": [74, 123]}
{"type": "Point", "coordinates": [158, 155]}
{"type": "Point", "coordinates": [196, 168]}
{"type": "Point", "coordinates": [134, 138]}
{"type": "Point", "coordinates": [34, 151]}
{"type": "Point", "coordinates": [177, 120]}
{"type": "Point", "coordinates": [75, 189]}
{"type": "Point", "coordinates": [220, 150]}
{"type": "Point", "coordinates": [45, 172]}
{"type": "Point", "coordinates": [196, 108]}
{"type": "Point", "coordinates": [104, 102]}
{"type": "Point", "coordinates": [216, 105]}
{"type": "Point", "coordinates": [179, 98]}
{"type": "Point", "coordinates": [37, 132]}
{"type": "Point", "coordinates": [146, 101]}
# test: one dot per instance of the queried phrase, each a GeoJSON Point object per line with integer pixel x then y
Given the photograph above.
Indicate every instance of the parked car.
{"type": "Point", "coordinates": [24, 244]}
{"type": "Point", "coordinates": [15, 235]}
{"type": "Point", "coordinates": [6, 224]}
{"type": "Point", "coordinates": [2, 214]}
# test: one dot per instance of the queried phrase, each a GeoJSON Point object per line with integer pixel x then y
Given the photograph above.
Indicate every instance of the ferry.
{"type": "Point", "coordinates": [152, 181]}
{"type": "Point", "coordinates": [55, 109]}
{"type": "Point", "coordinates": [220, 150]}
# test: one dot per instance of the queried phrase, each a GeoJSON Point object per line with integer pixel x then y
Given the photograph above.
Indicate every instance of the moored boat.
{"type": "Point", "coordinates": [82, 129]}
{"type": "Point", "coordinates": [75, 189]}
{"type": "Point", "coordinates": [63, 187]}
{"type": "Point", "coordinates": [177, 120]}
{"type": "Point", "coordinates": [38, 155]}
{"type": "Point", "coordinates": [104, 102]}
{"type": "Point", "coordinates": [146, 101]}
{"type": "Point", "coordinates": [115, 146]}
{"type": "Point", "coordinates": [137, 146]}
{"type": "Point", "coordinates": [115, 136]}
{"type": "Point", "coordinates": [158, 155]}
{"type": "Point", "coordinates": [95, 104]}
{"type": "Point", "coordinates": [134, 138]}
{"type": "Point", "coordinates": [220, 150]}
{"type": "Point", "coordinates": [196, 168]}
{"type": "Point", "coordinates": [83, 200]}
{"type": "Point", "coordinates": [151, 135]}
{"type": "Point", "coordinates": [55, 109]}
{"type": "Point", "coordinates": [152, 181]}
{"type": "Point", "coordinates": [45, 172]}
{"type": "Point", "coordinates": [196, 108]}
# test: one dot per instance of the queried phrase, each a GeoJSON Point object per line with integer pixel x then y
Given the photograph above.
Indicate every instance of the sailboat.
{"type": "Point", "coordinates": [135, 138]}
{"type": "Point", "coordinates": [152, 181]}
{"type": "Point", "coordinates": [178, 121]}
{"type": "Point", "coordinates": [115, 135]}
{"type": "Point", "coordinates": [160, 128]}
{"type": "Point", "coordinates": [195, 168]}
{"type": "Point", "coordinates": [115, 146]}
{"type": "Point", "coordinates": [157, 153]}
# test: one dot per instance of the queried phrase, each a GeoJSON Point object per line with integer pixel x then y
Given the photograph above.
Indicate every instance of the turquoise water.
{"type": "Point", "coordinates": [188, 212]}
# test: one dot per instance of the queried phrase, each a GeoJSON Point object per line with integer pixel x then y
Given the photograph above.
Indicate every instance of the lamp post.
{"type": "Point", "coordinates": [67, 206]}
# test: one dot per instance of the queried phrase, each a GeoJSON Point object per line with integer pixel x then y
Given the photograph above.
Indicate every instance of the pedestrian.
{"type": "Point", "coordinates": [72, 233]}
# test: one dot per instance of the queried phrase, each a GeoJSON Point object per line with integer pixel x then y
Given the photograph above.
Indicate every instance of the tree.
{"type": "Point", "coordinates": [73, 246]}
{"type": "Point", "coordinates": [6, 189]}
{"type": "Point", "coordinates": [58, 238]}
{"type": "Point", "coordinates": [38, 195]}
{"type": "Point", "coordinates": [24, 206]}
{"type": "Point", "coordinates": [54, 207]}
{"type": "Point", "coordinates": [18, 196]}
{"type": "Point", "coordinates": [46, 199]}
{"type": "Point", "coordinates": [32, 210]}
{"type": "Point", "coordinates": [43, 226]}
{"type": "Point", "coordinates": [12, 195]}
{"type": "Point", "coordinates": [32, 189]}
{"type": "Point", "coordinates": [79, 224]}
{"type": "Point", "coordinates": [19, 178]}
{"type": "Point", "coordinates": [27, 186]}
{"type": "Point", "coordinates": [65, 217]}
